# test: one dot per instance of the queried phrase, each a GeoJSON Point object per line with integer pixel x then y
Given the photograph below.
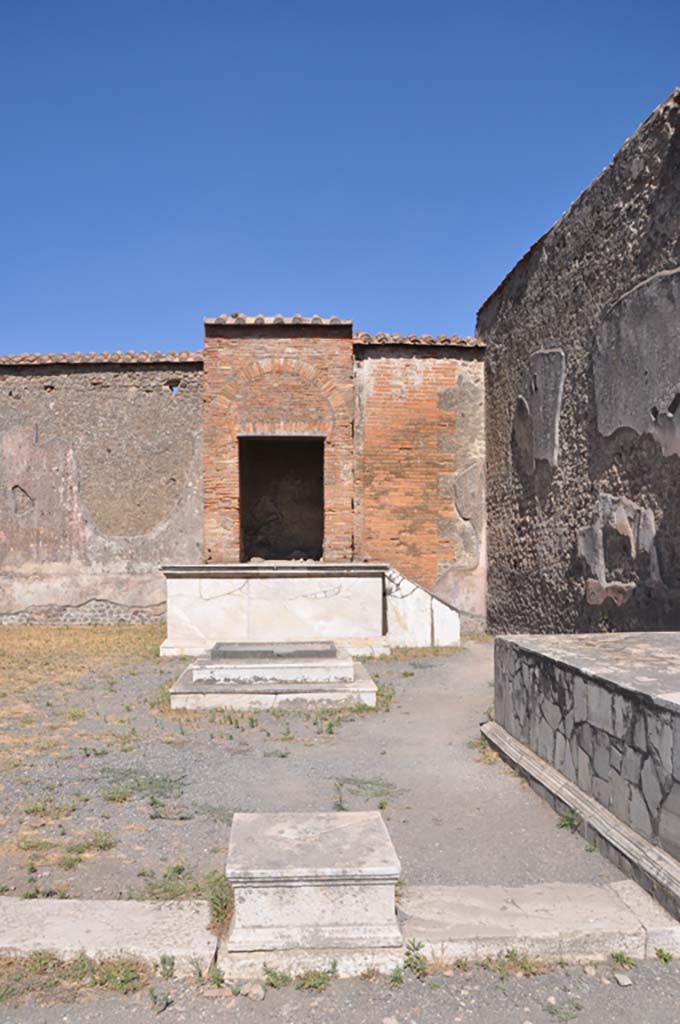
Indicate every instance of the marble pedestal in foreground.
{"type": "Point", "coordinates": [312, 881]}
{"type": "Point", "coordinates": [251, 677]}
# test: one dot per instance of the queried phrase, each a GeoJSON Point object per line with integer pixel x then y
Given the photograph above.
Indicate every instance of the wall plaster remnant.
{"type": "Point", "coordinates": [537, 419]}
{"type": "Point", "coordinates": [636, 362]}
{"type": "Point", "coordinates": [618, 545]}
{"type": "Point", "coordinates": [602, 286]}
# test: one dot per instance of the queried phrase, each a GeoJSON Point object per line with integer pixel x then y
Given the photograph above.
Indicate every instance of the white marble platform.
{"type": "Point", "coordinates": [271, 601]}
{"type": "Point", "coordinates": [312, 881]}
{"type": "Point", "coordinates": [366, 607]}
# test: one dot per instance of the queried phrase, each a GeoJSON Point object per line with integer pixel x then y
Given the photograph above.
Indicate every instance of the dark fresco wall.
{"type": "Point", "coordinates": [583, 406]}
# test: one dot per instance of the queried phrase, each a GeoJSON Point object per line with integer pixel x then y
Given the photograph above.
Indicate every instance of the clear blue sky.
{"type": "Point", "coordinates": [385, 161]}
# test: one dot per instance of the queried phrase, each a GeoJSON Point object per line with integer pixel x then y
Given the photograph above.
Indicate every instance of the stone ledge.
{"type": "Point", "coordinates": [553, 921]}
{"type": "Point", "coordinates": [265, 570]}
{"type": "Point", "coordinates": [105, 929]}
{"type": "Point", "coordinates": [653, 868]}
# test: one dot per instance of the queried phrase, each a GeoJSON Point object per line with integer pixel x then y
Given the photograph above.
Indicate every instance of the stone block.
{"type": "Point", "coordinates": [601, 791]}
{"type": "Point", "coordinates": [445, 624]}
{"type": "Point", "coordinates": [615, 758]}
{"type": "Point", "coordinates": [639, 815]}
{"type": "Point", "coordinates": [584, 772]}
{"type": "Point", "coordinates": [549, 920]}
{"type": "Point", "coordinates": [107, 929]}
{"type": "Point", "coordinates": [312, 881]}
{"type": "Point", "coordinates": [620, 797]}
{"type": "Point", "coordinates": [580, 700]}
{"type": "Point", "coordinates": [200, 694]}
{"type": "Point", "coordinates": [601, 754]}
{"type": "Point", "coordinates": [552, 714]}
{"type": "Point", "coordinates": [545, 746]}
{"type": "Point", "coordinates": [640, 733]}
{"type": "Point", "coordinates": [409, 614]}
{"type": "Point", "coordinates": [651, 789]}
{"type": "Point", "coordinates": [270, 602]}
{"type": "Point", "coordinates": [661, 929]}
{"type": "Point", "coordinates": [676, 748]}
{"type": "Point", "coordinates": [669, 832]}
{"type": "Point", "coordinates": [631, 766]}
{"type": "Point", "coordinates": [600, 712]}
{"type": "Point", "coordinates": [585, 738]}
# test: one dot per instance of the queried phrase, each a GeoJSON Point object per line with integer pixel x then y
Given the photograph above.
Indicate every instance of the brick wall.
{"type": "Point", "coordinates": [419, 440]}
{"type": "Point", "coordinates": [276, 385]}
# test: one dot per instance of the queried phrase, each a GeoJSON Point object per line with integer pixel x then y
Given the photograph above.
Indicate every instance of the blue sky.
{"type": "Point", "coordinates": [382, 161]}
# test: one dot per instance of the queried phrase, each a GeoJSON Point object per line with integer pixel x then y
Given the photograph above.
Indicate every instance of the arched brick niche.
{"type": "Point", "coordinates": [276, 384]}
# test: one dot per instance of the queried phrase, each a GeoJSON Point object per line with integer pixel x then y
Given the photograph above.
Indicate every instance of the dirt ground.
{"type": "Point", "coordinates": [107, 793]}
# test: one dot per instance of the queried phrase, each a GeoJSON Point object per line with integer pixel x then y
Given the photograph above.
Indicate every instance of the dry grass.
{"type": "Point", "coordinates": [41, 666]}
{"type": "Point", "coordinates": [34, 655]}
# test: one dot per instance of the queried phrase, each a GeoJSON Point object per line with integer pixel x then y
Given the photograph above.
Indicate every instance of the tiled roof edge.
{"type": "Point", "coordinates": [52, 358]}
{"type": "Point", "coordinates": [452, 340]}
{"type": "Point", "coordinates": [272, 321]}
{"type": "Point", "coordinates": [186, 356]}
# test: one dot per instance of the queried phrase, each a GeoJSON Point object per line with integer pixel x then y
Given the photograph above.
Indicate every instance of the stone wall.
{"type": "Point", "coordinates": [603, 712]}
{"type": "Point", "coordinates": [582, 406]}
{"type": "Point", "coordinates": [104, 459]}
{"type": "Point", "coordinates": [419, 449]}
{"type": "Point", "coordinates": [100, 482]}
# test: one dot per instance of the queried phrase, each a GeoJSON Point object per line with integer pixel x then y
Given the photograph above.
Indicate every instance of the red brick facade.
{"type": "Point", "coordinates": [404, 463]}
{"type": "Point", "coordinates": [401, 420]}
{"type": "Point", "coordinates": [276, 386]}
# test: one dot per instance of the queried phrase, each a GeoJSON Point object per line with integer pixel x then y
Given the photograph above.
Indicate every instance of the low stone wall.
{"type": "Point", "coordinates": [605, 712]}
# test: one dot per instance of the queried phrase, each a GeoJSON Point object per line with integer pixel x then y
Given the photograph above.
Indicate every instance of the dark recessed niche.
{"type": "Point", "coordinates": [282, 500]}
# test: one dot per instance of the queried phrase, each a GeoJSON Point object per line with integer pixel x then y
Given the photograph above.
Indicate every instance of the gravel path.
{"type": "Point", "coordinates": [160, 788]}
{"type": "Point", "coordinates": [476, 997]}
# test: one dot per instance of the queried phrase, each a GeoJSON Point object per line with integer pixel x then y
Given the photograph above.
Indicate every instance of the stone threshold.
{"type": "Point", "coordinates": [569, 923]}
{"type": "Point", "coordinates": [655, 870]}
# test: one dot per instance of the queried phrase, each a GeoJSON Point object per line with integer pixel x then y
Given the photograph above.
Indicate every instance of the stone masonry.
{"type": "Point", "coordinates": [604, 710]}
{"type": "Point", "coordinates": [102, 479]}
{"type": "Point", "coordinates": [582, 400]}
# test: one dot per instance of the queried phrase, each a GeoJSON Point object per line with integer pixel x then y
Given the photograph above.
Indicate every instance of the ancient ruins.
{"type": "Point", "coordinates": [296, 495]}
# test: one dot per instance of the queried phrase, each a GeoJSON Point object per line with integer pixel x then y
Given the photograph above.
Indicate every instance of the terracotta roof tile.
{"type": "Point", "coordinates": [452, 340]}
{"type": "Point", "coordinates": [49, 358]}
{"type": "Point", "coordinates": [270, 321]}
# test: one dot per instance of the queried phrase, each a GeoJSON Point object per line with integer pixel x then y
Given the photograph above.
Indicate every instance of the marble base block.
{"type": "Point", "coordinates": [312, 881]}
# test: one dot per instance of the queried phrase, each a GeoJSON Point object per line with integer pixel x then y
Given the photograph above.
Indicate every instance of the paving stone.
{"type": "Point", "coordinates": [575, 921]}
{"type": "Point", "coordinates": [108, 929]}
